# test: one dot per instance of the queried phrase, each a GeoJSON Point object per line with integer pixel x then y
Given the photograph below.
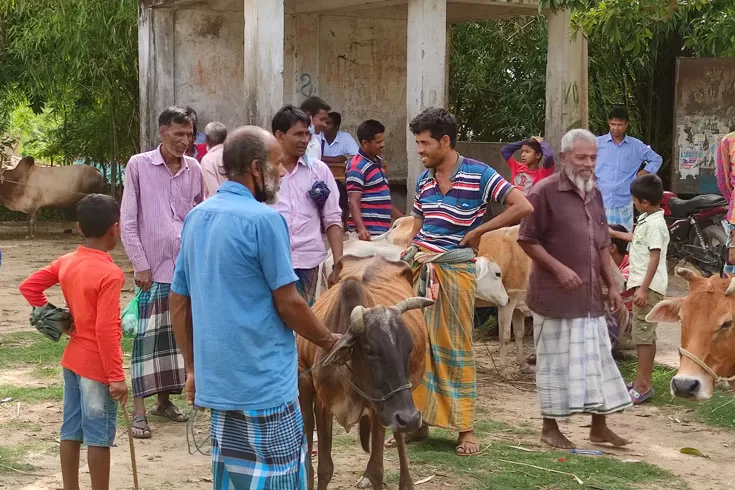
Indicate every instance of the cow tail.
{"type": "Point", "coordinates": [365, 430]}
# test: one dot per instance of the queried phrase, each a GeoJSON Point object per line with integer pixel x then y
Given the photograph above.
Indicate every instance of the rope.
{"type": "Point", "coordinates": [191, 436]}
{"type": "Point", "coordinates": [716, 377]}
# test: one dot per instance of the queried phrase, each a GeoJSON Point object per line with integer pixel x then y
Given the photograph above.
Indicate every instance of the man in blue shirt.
{"type": "Point", "coordinates": [619, 159]}
{"type": "Point", "coordinates": [234, 309]}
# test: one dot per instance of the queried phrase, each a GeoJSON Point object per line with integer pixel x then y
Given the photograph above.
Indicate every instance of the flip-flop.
{"type": "Point", "coordinates": [460, 450]}
{"type": "Point", "coordinates": [638, 398]}
{"type": "Point", "coordinates": [140, 423]}
{"type": "Point", "coordinates": [629, 386]}
{"type": "Point", "coordinates": [171, 412]}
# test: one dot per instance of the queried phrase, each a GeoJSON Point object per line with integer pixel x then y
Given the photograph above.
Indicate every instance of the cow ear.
{"type": "Point", "coordinates": [341, 351]}
{"type": "Point", "coordinates": [665, 311]}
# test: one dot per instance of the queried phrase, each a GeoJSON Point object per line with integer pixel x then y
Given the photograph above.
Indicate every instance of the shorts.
{"type": "Point", "coordinates": [90, 413]}
{"type": "Point", "coordinates": [643, 332]}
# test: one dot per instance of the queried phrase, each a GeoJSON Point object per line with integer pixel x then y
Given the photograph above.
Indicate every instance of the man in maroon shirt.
{"type": "Point", "coordinates": [568, 240]}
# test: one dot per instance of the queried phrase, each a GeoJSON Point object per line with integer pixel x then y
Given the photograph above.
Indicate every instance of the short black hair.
{"type": "Point", "coordinates": [174, 115]}
{"type": "Point", "coordinates": [534, 145]}
{"type": "Point", "coordinates": [620, 244]}
{"type": "Point", "coordinates": [312, 105]}
{"type": "Point", "coordinates": [618, 112]}
{"type": "Point", "coordinates": [648, 187]}
{"type": "Point", "coordinates": [439, 122]}
{"type": "Point", "coordinates": [194, 118]}
{"type": "Point", "coordinates": [336, 118]}
{"type": "Point", "coordinates": [96, 213]}
{"type": "Point", "coordinates": [368, 130]}
{"type": "Point", "coordinates": [287, 117]}
{"type": "Point", "coordinates": [241, 148]}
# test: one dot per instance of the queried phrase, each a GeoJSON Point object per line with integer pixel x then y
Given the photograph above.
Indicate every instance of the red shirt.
{"type": "Point", "coordinates": [525, 178]}
{"type": "Point", "coordinates": [91, 283]}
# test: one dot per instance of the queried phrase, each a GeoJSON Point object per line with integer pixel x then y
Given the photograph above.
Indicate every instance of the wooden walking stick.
{"type": "Point", "coordinates": [132, 446]}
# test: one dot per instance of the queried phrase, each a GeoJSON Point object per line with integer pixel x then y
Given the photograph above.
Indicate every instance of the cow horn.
{"type": "Point", "coordinates": [731, 288]}
{"type": "Point", "coordinates": [357, 319]}
{"type": "Point", "coordinates": [413, 303]}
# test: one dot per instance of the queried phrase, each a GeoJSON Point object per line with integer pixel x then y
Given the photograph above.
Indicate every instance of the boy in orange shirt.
{"type": "Point", "coordinates": [93, 373]}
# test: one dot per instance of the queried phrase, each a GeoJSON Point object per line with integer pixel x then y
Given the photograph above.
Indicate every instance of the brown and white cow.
{"type": "Point", "coordinates": [29, 187]}
{"type": "Point", "coordinates": [367, 379]}
{"type": "Point", "coordinates": [707, 333]}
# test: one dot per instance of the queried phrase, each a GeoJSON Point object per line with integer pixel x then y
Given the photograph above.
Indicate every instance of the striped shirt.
{"type": "Point", "coordinates": [366, 176]}
{"type": "Point", "coordinates": [448, 218]}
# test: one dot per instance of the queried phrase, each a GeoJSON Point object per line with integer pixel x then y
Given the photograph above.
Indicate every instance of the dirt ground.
{"type": "Point", "coordinates": [164, 461]}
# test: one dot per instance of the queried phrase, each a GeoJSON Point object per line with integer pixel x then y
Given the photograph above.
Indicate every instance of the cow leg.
{"type": "Point", "coordinates": [505, 316]}
{"type": "Point", "coordinates": [325, 466]}
{"type": "Point", "coordinates": [306, 401]}
{"type": "Point", "coordinates": [32, 223]}
{"type": "Point", "coordinates": [405, 482]}
{"type": "Point", "coordinates": [374, 471]}
{"type": "Point", "coordinates": [519, 332]}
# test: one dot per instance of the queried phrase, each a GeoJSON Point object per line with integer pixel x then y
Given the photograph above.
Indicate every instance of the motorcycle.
{"type": "Point", "coordinates": [698, 231]}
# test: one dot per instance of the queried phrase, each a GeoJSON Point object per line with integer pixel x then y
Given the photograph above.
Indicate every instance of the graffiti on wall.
{"type": "Point", "coordinates": [307, 88]}
{"type": "Point", "coordinates": [697, 139]}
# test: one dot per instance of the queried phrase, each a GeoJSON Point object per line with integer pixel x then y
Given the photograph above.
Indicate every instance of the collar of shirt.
{"type": "Point", "coordinates": [159, 160]}
{"type": "Point", "coordinates": [95, 252]}
{"type": "Point", "coordinates": [455, 170]}
{"type": "Point", "coordinates": [231, 187]}
{"type": "Point", "coordinates": [378, 160]}
{"type": "Point", "coordinates": [645, 216]}
{"type": "Point", "coordinates": [610, 138]}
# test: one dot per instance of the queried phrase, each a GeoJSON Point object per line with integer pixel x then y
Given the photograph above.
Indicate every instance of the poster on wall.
{"type": "Point", "coordinates": [704, 113]}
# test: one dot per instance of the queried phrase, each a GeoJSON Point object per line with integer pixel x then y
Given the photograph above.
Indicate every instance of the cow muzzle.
{"type": "Point", "coordinates": [685, 386]}
{"type": "Point", "coordinates": [406, 420]}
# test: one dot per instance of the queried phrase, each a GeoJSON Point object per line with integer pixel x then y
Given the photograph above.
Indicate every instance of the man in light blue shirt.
{"type": "Point", "coordinates": [337, 146]}
{"type": "Point", "coordinates": [234, 309]}
{"type": "Point", "coordinates": [619, 159]}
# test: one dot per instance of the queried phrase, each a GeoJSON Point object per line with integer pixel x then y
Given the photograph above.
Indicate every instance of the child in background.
{"type": "Point", "coordinates": [648, 276]}
{"type": "Point", "coordinates": [93, 371]}
{"type": "Point", "coordinates": [537, 162]}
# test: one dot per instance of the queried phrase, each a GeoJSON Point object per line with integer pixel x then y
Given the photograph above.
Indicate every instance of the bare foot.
{"type": "Point", "coordinates": [552, 436]}
{"type": "Point", "coordinates": [467, 444]}
{"type": "Point", "coordinates": [605, 435]}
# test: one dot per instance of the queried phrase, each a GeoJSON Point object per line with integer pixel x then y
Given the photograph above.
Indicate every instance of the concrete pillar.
{"type": "Point", "coordinates": [156, 69]}
{"type": "Point", "coordinates": [425, 72]}
{"type": "Point", "coordinates": [566, 80]}
{"type": "Point", "coordinates": [263, 73]}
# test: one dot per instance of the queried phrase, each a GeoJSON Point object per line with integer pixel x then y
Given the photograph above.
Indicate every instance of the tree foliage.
{"type": "Point", "coordinates": [78, 60]}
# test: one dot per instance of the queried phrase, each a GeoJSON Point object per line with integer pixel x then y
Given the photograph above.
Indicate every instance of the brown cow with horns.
{"type": "Point", "coordinates": [368, 376]}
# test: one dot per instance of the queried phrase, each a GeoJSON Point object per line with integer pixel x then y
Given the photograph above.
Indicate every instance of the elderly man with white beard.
{"type": "Point", "coordinates": [568, 240]}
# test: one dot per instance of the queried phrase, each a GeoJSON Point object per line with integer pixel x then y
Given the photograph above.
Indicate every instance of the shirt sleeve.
{"type": "Point", "coordinates": [34, 287]}
{"type": "Point", "coordinates": [417, 210]}
{"type": "Point", "coordinates": [548, 152]}
{"type": "Point", "coordinates": [274, 250]}
{"type": "Point", "coordinates": [180, 282]}
{"type": "Point", "coordinates": [494, 186]}
{"type": "Point", "coordinates": [508, 150]}
{"type": "Point", "coordinates": [355, 179]}
{"type": "Point", "coordinates": [108, 327]}
{"type": "Point", "coordinates": [655, 236]}
{"type": "Point", "coordinates": [129, 219]}
{"type": "Point", "coordinates": [654, 159]}
{"type": "Point", "coordinates": [331, 212]}
{"type": "Point", "coordinates": [351, 145]}
{"type": "Point", "coordinates": [533, 226]}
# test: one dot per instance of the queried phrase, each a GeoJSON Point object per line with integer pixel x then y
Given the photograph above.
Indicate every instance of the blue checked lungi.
{"type": "Point", "coordinates": [621, 216]}
{"type": "Point", "coordinates": [259, 449]}
{"type": "Point", "coordinates": [729, 268]}
{"type": "Point", "coordinates": [157, 365]}
{"type": "Point", "coordinates": [307, 283]}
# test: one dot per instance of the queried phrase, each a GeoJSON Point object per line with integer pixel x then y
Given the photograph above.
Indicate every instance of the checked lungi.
{"type": "Point", "coordinates": [306, 285]}
{"type": "Point", "coordinates": [157, 365]}
{"type": "Point", "coordinates": [575, 370]}
{"type": "Point", "coordinates": [621, 216]}
{"type": "Point", "coordinates": [259, 449]}
{"type": "Point", "coordinates": [446, 396]}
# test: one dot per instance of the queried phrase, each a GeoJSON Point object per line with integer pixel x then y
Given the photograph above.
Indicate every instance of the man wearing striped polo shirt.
{"type": "Point", "coordinates": [368, 192]}
{"type": "Point", "coordinates": [451, 199]}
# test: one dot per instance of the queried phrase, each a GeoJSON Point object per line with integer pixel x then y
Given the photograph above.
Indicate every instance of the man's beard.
{"type": "Point", "coordinates": [583, 185]}
{"type": "Point", "coordinates": [268, 189]}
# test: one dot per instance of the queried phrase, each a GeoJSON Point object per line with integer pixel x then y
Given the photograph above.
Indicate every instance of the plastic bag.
{"type": "Point", "coordinates": [130, 318]}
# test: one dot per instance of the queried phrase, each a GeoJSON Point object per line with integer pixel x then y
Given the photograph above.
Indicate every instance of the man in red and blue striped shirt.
{"type": "Point", "coordinates": [371, 208]}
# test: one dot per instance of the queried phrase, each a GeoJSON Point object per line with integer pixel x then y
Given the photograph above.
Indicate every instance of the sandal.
{"type": "Point", "coordinates": [638, 398]}
{"type": "Point", "coordinates": [171, 412]}
{"type": "Point", "coordinates": [140, 423]}
{"type": "Point", "coordinates": [460, 450]}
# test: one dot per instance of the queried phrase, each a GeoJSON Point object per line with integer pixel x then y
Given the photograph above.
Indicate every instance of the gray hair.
{"type": "Point", "coordinates": [571, 137]}
{"type": "Point", "coordinates": [216, 132]}
{"type": "Point", "coordinates": [243, 146]}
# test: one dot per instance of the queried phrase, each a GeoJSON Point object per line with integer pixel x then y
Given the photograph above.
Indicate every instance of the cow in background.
{"type": "Point", "coordinates": [707, 334]}
{"type": "Point", "coordinates": [29, 187]}
{"type": "Point", "coordinates": [384, 341]}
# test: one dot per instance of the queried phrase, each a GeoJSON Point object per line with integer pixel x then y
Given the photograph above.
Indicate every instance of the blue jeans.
{"type": "Point", "coordinates": [90, 413]}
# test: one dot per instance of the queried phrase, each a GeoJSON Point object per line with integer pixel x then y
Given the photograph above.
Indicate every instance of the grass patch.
{"type": "Point", "coordinates": [32, 394]}
{"type": "Point", "coordinates": [488, 471]}
{"type": "Point", "coordinates": [12, 458]}
{"type": "Point", "coordinates": [719, 411]}
{"type": "Point", "coordinates": [20, 425]}
{"type": "Point", "coordinates": [21, 348]}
